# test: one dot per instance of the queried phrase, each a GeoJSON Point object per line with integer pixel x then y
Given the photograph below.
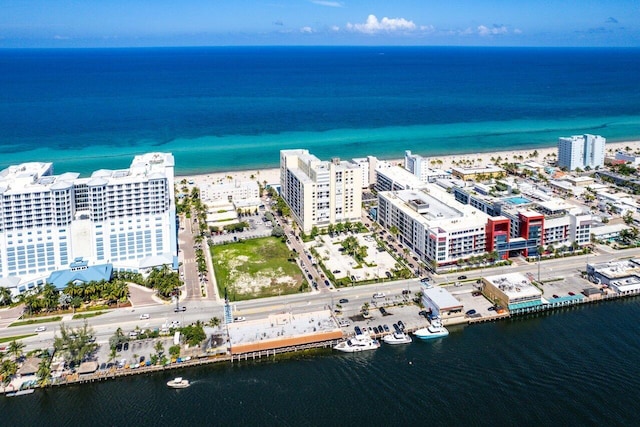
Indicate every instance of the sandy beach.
{"type": "Point", "coordinates": [272, 175]}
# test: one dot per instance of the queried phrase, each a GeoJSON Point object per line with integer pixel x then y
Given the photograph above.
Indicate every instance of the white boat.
{"type": "Point", "coordinates": [435, 330]}
{"type": "Point", "coordinates": [178, 382]}
{"type": "Point", "coordinates": [397, 338]}
{"type": "Point", "coordinates": [20, 392]}
{"type": "Point", "coordinates": [360, 342]}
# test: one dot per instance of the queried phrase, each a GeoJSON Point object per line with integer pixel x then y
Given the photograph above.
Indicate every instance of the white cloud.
{"type": "Point", "coordinates": [372, 25]}
{"type": "Point", "coordinates": [517, 31]}
{"type": "Point", "coordinates": [335, 28]}
{"type": "Point", "coordinates": [327, 3]}
{"type": "Point", "coordinates": [492, 31]}
{"type": "Point", "coordinates": [306, 30]}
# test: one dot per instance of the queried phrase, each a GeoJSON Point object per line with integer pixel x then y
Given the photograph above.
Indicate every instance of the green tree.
{"type": "Point", "coordinates": [174, 351]}
{"type": "Point", "coordinates": [44, 372]}
{"type": "Point", "coordinates": [5, 296]}
{"type": "Point", "coordinates": [15, 349]}
{"type": "Point", "coordinates": [193, 334]}
{"type": "Point", "coordinates": [628, 217]}
{"type": "Point", "coordinates": [75, 344]}
{"type": "Point", "coordinates": [8, 368]}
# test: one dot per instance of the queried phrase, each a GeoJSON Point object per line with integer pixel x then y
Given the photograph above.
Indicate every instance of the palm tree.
{"type": "Point", "coordinates": [5, 296]}
{"type": "Point", "coordinates": [44, 372]}
{"type": "Point", "coordinates": [15, 349]}
{"type": "Point", "coordinates": [8, 368]}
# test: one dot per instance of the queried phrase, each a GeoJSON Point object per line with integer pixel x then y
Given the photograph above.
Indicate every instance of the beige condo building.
{"type": "Point", "coordinates": [319, 192]}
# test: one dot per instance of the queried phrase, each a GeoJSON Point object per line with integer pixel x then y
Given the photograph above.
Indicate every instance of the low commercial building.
{"type": "Point", "coordinates": [475, 172]}
{"type": "Point", "coordinates": [513, 291]}
{"type": "Point", "coordinates": [621, 276]}
{"type": "Point", "coordinates": [282, 330]}
{"type": "Point", "coordinates": [441, 303]}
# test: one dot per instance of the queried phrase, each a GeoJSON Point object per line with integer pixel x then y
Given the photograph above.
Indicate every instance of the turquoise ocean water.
{"type": "Point", "coordinates": [235, 108]}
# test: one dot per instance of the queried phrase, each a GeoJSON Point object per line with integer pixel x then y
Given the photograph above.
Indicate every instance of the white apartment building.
{"type": "Point", "coordinates": [419, 166]}
{"type": "Point", "coordinates": [121, 217]}
{"type": "Point", "coordinates": [230, 192]}
{"type": "Point", "coordinates": [431, 223]}
{"type": "Point", "coordinates": [394, 178]}
{"type": "Point", "coordinates": [580, 151]}
{"type": "Point", "coordinates": [368, 166]}
{"type": "Point", "coordinates": [318, 192]}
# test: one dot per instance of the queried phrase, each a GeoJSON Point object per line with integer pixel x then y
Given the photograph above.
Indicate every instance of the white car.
{"type": "Point", "coordinates": [41, 328]}
{"type": "Point", "coordinates": [378, 295]}
{"type": "Point", "coordinates": [239, 319]}
{"type": "Point", "coordinates": [144, 316]}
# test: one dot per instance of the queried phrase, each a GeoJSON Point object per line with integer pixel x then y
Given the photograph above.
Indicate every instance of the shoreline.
{"type": "Point", "coordinates": [272, 175]}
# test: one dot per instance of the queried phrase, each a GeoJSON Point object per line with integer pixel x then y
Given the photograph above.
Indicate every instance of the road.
{"type": "Point", "coordinates": [201, 309]}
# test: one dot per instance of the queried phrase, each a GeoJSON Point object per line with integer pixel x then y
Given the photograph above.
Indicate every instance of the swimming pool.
{"type": "Point", "coordinates": [517, 200]}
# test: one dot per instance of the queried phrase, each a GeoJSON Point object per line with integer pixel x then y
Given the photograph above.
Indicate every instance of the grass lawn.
{"type": "Point", "coordinates": [34, 321]}
{"type": "Point", "coordinates": [16, 338]}
{"type": "Point", "coordinates": [256, 268]}
{"type": "Point", "coordinates": [88, 315]}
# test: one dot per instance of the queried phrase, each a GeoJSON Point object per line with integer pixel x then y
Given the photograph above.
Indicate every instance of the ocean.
{"type": "Point", "coordinates": [229, 108]}
{"type": "Point", "coordinates": [573, 367]}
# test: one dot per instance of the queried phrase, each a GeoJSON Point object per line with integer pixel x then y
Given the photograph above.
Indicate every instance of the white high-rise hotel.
{"type": "Point", "coordinates": [581, 151]}
{"type": "Point", "coordinates": [123, 217]}
{"type": "Point", "coordinates": [318, 192]}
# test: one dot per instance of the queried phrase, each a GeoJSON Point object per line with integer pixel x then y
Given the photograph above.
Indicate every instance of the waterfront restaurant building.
{"type": "Point", "coordinates": [318, 192]}
{"type": "Point", "coordinates": [513, 291]}
{"type": "Point", "coordinates": [126, 218]}
{"type": "Point", "coordinates": [282, 330]}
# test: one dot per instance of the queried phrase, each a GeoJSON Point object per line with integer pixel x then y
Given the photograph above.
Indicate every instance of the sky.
{"type": "Point", "coordinates": [132, 23]}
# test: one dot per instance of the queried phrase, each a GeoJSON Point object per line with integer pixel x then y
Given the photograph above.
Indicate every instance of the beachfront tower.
{"type": "Point", "coordinates": [124, 218]}
{"type": "Point", "coordinates": [318, 192]}
{"type": "Point", "coordinates": [581, 151]}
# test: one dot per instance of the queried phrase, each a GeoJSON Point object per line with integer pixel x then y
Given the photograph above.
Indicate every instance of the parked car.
{"type": "Point", "coordinates": [386, 328]}
{"type": "Point", "coordinates": [423, 313]}
{"type": "Point", "coordinates": [470, 312]}
{"type": "Point", "coordinates": [383, 311]}
{"type": "Point", "coordinates": [571, 293]}
{"type": "Point", "coordinates": [239, 319]}
{"type": "Point", "coordinates": [492, 308]}
{"type": "Point", "coordinates": [555, 296]}
{"type": "Point", "coordinates": [401, 324]}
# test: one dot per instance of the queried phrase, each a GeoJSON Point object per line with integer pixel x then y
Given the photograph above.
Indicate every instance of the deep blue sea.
{"type": "Point", "coordinates": [224, 108]}
{"type": "Point", "coordinates": [575, 367]}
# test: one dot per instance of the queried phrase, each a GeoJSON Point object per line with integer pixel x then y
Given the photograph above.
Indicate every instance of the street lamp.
{"type": "Point", "coordinates": [538, 268]}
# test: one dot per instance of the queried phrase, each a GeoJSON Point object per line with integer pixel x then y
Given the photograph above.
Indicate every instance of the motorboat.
{"type": "Point", "coordinates": [397, 338]}
{"type": "Point", "coordinates": [435, 330]}
{"type": "Point", "coordinates": [178, 382]}
{"type": "Point", "coordinates": [358, 343]}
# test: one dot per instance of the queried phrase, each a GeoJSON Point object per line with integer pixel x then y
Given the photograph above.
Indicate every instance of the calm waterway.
{"type": "Point", "coordinates": [574, 367]}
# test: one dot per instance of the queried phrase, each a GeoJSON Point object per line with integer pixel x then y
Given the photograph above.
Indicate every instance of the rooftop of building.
{"type": "Point", "coordinates": [477, 169]}
{"type": "Point", "coordinates": [618, 269]}
{"type": "Point", "coordinates": [281, 326]}
{"type": "Point", "coordinates": [442, 298]}
{"type": "Point", "coordinates": [401, 175]}
{"type": "Point", "coordinates": [434, 205]}
{"type": "Point", "coordinates": [514, 285]}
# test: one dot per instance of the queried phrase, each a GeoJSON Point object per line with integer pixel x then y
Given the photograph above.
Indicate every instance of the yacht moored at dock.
{"type": "Point", "coordinates": [435, 330]}
{"type": "Point", "coordinates": [397, 338]}
{"type": "Point", "coordinates": [361, 342]}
